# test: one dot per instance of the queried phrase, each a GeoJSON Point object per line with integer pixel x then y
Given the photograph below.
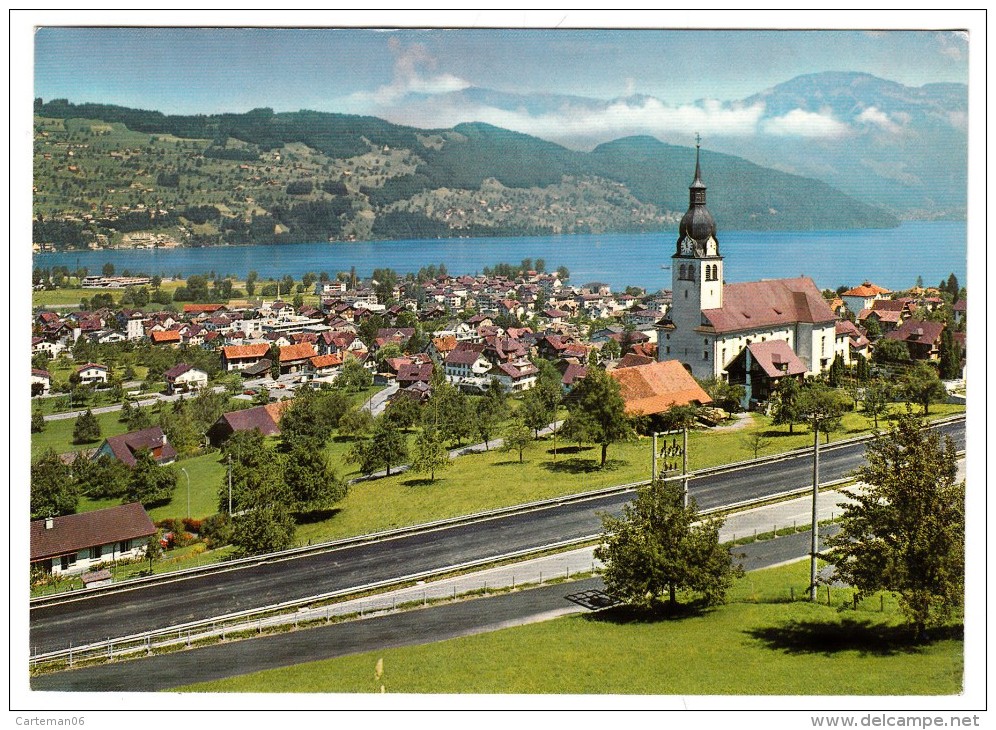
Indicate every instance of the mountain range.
{"type": "Point", "coordinates": [903, 148]}
{"type": "Point", "coordinates": [827, 151]}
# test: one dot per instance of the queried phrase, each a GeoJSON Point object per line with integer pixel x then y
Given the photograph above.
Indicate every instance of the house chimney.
{"type": "Point", "coordinates": [49, 523]}
{"type": "Point", "coordinates": [164, 439]}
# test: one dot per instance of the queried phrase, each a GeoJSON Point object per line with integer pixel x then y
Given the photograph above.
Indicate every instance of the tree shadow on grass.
{"type": "Point", "coordinates": [581, 466]}
{"type": "Point", "coordinates": [319, 515]}
{"type": "Point", "coordinates": [850, 634]}
{"type": "Point", "coordinates": [511, 462]}
{"type": "Point", "coordinates": [422, 482]}
{"type": "Point", "coordinates": [569, 450]}
{"type": "Point", "coordinates": [624, 614]}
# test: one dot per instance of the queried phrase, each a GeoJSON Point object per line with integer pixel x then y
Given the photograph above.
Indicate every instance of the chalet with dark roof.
{"type": "Point", "coordinates": [125, 447]}
{"type": "Point", "coordinates": [922, 338]}
{"type": "Point", "coordinates": [761, 366]}
{"type": "Point", "coordinates": [265, 419]}
{"type": "Point", "coordinates": [76, 543]}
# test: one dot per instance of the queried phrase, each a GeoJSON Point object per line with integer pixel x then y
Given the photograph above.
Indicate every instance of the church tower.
{"type": "Point", "coordinates": [697, 267]}
{"type": "Point", "coordinates": [696, 280]}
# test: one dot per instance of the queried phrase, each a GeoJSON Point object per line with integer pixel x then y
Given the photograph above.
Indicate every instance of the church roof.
{"type": "Point", "coordinates": [771, 302]}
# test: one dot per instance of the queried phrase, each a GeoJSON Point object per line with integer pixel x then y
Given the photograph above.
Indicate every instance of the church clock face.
{"type": "Point", "coordinates": [686, 247]}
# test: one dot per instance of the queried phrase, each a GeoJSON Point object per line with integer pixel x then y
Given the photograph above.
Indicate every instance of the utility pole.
{"type": "Point", "coordinates": [229, 485]}
{"type": "Point", "coordinates": [684, 465]}
{"type": "Point", "coordinates": [815, 542]}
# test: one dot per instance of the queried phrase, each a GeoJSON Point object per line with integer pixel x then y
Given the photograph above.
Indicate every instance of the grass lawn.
{"type": "Point", "coordinates": [760, 643]}
{"type": "Point", "coordinates": [58, 434]}
{"type": "Point", "coordinates": [479, 482]}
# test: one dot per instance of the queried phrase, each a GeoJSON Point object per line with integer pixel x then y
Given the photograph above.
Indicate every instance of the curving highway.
{"type": "Point", "coordinates": [88, 620]}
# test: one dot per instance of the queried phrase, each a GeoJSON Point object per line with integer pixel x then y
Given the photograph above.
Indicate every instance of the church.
{"type": "Point", "coordinates": [712, 324]}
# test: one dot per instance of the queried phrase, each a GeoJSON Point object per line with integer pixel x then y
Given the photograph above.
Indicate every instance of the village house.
{"type": "Point", "coordinates": [922, 338]}
{"type": "Point", "coordinates": [296, 358]}
{"type": "Point", "coordinates": [73, 544]}
{"type": "Point", "coordinates": [864, 296]}
{"type": "Point", "coordinates": [761, 366]}
{"type": "Point", "coordinates": [265, 419]}
{"type": "Point", "coordinates": [41, 382]}
{"type": "Point", "coordinates": [184, 378]}
{"type": "Point", "coordinates": [168, 338]}
{"type": "Point", "coordinates": [125, 447]}
{"type": "Point", "coordinates": [515, 377]}
{"type": "Point", "coordinates": [240, 357]}
{"type": "Point", "coordinates": [92, 374]}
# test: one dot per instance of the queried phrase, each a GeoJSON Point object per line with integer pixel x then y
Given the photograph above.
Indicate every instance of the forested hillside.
{"type": "Point", "coordinates": [109, 176]}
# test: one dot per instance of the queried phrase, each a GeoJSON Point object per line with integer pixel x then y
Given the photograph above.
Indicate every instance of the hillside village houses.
{"type": "Point", "coordinates": [474, 328]}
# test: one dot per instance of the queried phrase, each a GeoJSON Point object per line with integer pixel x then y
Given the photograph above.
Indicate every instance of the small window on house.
{"type": "Point", "coordinates": [705, 355]}
{"type": "Point", "coordinates": [667, 350]}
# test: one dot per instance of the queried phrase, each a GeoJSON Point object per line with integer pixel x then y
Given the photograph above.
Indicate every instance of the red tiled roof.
{"type": "Point", "coordinates": [867, 289]}
{"type": "Point", "coordinates": [177, 371]}
{"type": "Point", "coordinates": [201, 308]}
{"type": "Point", "coordinates": [415, 371]}
{"type": "Point", "coordinates": [326, 361]}
{"type": "Point", "coordinates": [654, 388]}
{"type": "Point", "coordinates": [72, 533]}
{"type": "Point", "coordinates": [518, 369]}
{"type": "Point", "coordinates": [444, 344]}
{"type": "Point", "coordinates": [265, 418]}
{"type": "Point", "coordinates": [89, 365]}
{"type": "Point", "coordinates": [242, 352]}
{"type": "Point", "coordinates": [165, 336]}
{"type": "Point", "coordinates": [767, 303]}
{"type": "Point", "coordinates": [297, 352]}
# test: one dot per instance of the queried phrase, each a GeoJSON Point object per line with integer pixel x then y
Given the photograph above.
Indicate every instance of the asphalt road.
{"type": "Point", "coordinates": [130, 612]}
{"type": "Point", "coordinates": [409, 628]}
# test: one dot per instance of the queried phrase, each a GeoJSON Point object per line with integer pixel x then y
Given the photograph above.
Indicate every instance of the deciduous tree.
{"type": "Point", "coordinates": [905, 531]}
{"type": "Point", "coordinates": [598, 405]}
{"type": "Point", "coordinates": [53, 491]}
{"type": "Point", "coordinates": [429, 454]}
{"type": "Point", "coordinates": [659, 547]}
{"type": "Point", "coordinates": [920, 384]}
{"type": "Point", "coordinates": [516, 437]}
{"type": "Point", "coordinates": [150, 483]}
{"type": "Point", "coordinates": [87, 428]}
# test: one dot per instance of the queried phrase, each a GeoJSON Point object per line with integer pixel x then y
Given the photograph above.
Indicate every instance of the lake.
{"type": "Point", "coordinates": [891, 257]}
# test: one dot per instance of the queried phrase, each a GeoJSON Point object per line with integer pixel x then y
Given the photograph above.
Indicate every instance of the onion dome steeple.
{"type": "Point", "coordinates": [697, 226]}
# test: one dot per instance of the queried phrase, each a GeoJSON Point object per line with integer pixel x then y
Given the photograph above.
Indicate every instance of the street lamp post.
{"type": "Point", "coordinates": [229, 485]}
{"type": "Point", "coordinates": [188, 490]}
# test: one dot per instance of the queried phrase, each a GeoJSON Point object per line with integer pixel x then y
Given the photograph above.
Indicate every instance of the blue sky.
{"type": "Point", "coordinates": [201, 70]}
{"type": "Point", "coordinates": [415, 76]}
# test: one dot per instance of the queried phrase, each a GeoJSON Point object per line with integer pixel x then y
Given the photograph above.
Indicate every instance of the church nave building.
{"type": "Point", "coordinates": [711, 323]}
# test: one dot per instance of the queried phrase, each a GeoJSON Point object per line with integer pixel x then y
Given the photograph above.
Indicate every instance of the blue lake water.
{"type": "Point", "coordinates": [892, 257]}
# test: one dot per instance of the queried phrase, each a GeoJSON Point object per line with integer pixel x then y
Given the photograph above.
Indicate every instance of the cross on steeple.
{"type": "Point", "coordinates": [698, 139]}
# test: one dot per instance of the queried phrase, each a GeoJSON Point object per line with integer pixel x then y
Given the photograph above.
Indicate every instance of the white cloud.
{"type": "Point", "coordinates": [413, 74]}
{"type": "Point", "coordinates": [873, 115]}
{"type": "Point", "coordinates": [618, 119]}
{"type": "Point", "coordinates": [800, 123]}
